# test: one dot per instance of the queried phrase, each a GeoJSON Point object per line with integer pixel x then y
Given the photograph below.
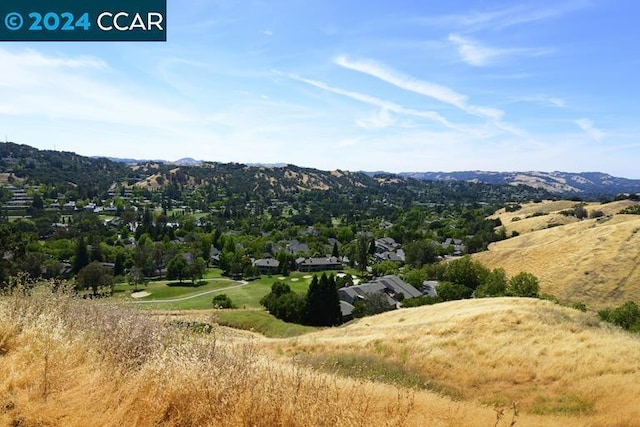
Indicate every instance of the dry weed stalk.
{"type": "Point", "coordinates": [500, 412]}
{"type": "Point", "coordinates": [147, 373]}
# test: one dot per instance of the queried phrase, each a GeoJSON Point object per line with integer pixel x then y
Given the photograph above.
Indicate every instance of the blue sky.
{"type": "Point", "coordinates": [376, 85]}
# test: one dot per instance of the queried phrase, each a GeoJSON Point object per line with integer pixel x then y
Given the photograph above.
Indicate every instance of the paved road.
{"type": "Point", "coordinates": [240, 284]}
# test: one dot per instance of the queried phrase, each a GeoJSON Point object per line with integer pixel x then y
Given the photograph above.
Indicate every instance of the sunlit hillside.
{"type": "Point", "coordinates": [553, 360]}
{"type": "Point", "coordinates": [77, 363]}
{"type": "Point", "coordinates": [594, 260]}
{"type": "Point", "coordinates": [537, 216]}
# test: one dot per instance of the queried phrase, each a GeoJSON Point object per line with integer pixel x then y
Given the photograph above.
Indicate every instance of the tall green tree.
{"type": "Point", "coordinates": [466, 271]}
{"type": "Point", "coordinates": [322, 306]}
{"type": "Point", "coordinates": [494, 285]}
{"type": "Point", "coordinates": [283, 303]}
{"type": "Point", "coordinates": [135, 277]}
{"type": "Point", "coordinates": [81, 259]}
{"type": "Point", "coordinates": [177, 268]}
{"type": "Point", "coordinates": [334, 251]}
{"type": "Point", "coordinates": [362, 252]}
{"type": "Point", "coordinates": [195, 271]}
{"type": "Point", "coordinates": [95, 277]}
{"type": "Point", "coordinates": [420, 252]}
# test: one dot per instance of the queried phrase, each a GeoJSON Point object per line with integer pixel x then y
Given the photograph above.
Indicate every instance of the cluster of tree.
{"type": "Point", "coordinates": [319, 307]}
{"type": "Point", "coordinates": [464, 277]}
{"type": "Point", "coordinates": [627, 316]}
{"type": "Point", "coordinates": [245, 212]}
{"type": "Point", "coordinates": [631, 210]}
{"type": "Point", "coordinates": [63, 172]}
{"type": "Point", "coordinates": [579, 211]}
{"type": "Point", "coordinates": [178, 268]}
{"type": "Point", "coordinates": [95, 277]}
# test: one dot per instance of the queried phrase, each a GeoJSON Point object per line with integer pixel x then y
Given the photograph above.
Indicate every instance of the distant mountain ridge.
{"type": "Point", "coordinates": [92, 175]}
{"type": "Point", "coordinates": [582, 183]}
{"type": "Point", "coordinates": [186, 161]}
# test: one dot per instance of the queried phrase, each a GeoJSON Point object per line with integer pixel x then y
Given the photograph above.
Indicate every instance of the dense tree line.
{"type": "Point", "coordinates": [319, 307]}
{"type": "Point", "coordinates": [464, 277]}
{"type": "Point", "coordinates": [244, 212]}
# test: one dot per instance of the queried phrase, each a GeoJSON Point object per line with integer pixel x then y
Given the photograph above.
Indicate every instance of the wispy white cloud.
{"type": "Point", "coordinates": [34, 59]}
{"type": "Point", "coordinates": [588, 126]}
{"type": "Point", "coordinates": [499, 18]}
{"type": "Point", "coordinates": [548, 101]}
{"type": "Point", "coordinates": [472, 52]}
{"type": "Point", "coordinates": [378, 120]}
{"type": "Point", "coordinates": [428, 89]}
{"type": "Point", "coordinates": [396, 78]}
{"type": "Point", "coordinates": [558, 102]}
{"type": "Point", "coordinates": [76, 88]}
{"type": "Point", "coordinates": [380, 103]}
{"type": "Point", "coordinates": [476, 54]}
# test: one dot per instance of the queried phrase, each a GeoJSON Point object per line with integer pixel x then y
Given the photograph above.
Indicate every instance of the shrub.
{"type": "Point", "coordinates": [627, 316]}
{"type": "Point", "coordinates": [494, 285]}
{"type": "Point", "coordinates": [419, 301]}
{"type": "Point", "coordinates": [523, 284]}
{"type": "Point", "coordinates": [596, 214]}
{"type": "Point", "coordinates": [452, 291]}
{"type": "Point", "coordinates": [580, 306]}
{"type": "Point", "coordinates": [283, 303]}
{"type": "Point", "coordinates": [550, 297]}
{"type": "Point", "coordinates": [631, 210]}
{"type": "Point", "coordinates": [222, 301]}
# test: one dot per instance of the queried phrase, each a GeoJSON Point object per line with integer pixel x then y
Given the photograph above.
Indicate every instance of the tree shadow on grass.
{"type": "Point", "coordinates": [187, 284]}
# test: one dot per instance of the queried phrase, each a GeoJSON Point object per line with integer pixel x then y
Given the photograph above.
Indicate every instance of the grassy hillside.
{"type": "Point", "coordinates": [76, 363]}
{"type": "Point", "coordinates": [593, 260]}
{"type": "Point", "coordinates": [554, 361]}
{"type": "Point", "coordinates": [538, 216]}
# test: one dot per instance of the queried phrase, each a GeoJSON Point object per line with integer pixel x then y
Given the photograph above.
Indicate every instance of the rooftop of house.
{"type": "Point", "coordinates": [330, 260]}
{"type": "Point", "coordinates": [267, 262]}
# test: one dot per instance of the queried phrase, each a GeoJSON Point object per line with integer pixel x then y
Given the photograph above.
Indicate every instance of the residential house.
{"type": "Point", "coordinates": [346, 310]}
{"type": "Point", "coordinates": [318, 264]}
{"type": "Point", "coordinates": [386, 244]}
{"type": "Point", "coordinates": [387, 249]}
{"type": "Point", "coordinates": [267, 265]}
{"type": "Point", "coordinates": [398, 256]}
{"type": "Point", "coordinates": [295, 247]}
{"type": "Point", "coordinates": [456, 246]}
{"type": "Point", "coordinates": [429, 288]}
{"type": "Point", "coordinates": [391, 286]}
{"type": "Point", "coordinates": [349, 296]}
{"type": "Point", "coordinates": [214, 255]}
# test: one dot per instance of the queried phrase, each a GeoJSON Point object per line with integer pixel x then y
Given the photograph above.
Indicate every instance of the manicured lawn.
{"type": "Point", "coordinates": [248, 296]}
{"type": "Point", "coordinates": [244, 297]}
{"type": "Point", "coordinates": [167, 289]}
{"type": "Point", "coordinates": [213, 273]}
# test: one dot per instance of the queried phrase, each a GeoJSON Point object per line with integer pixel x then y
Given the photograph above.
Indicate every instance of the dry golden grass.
{"type": "Point", "coordinates": [77, 363]}
{"type": "Point", "coordinates": [594, 261]}
{"type": "Point", "coordinates": [552, 360]}
{"type": "Point", "coordinates": [539, 216]}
